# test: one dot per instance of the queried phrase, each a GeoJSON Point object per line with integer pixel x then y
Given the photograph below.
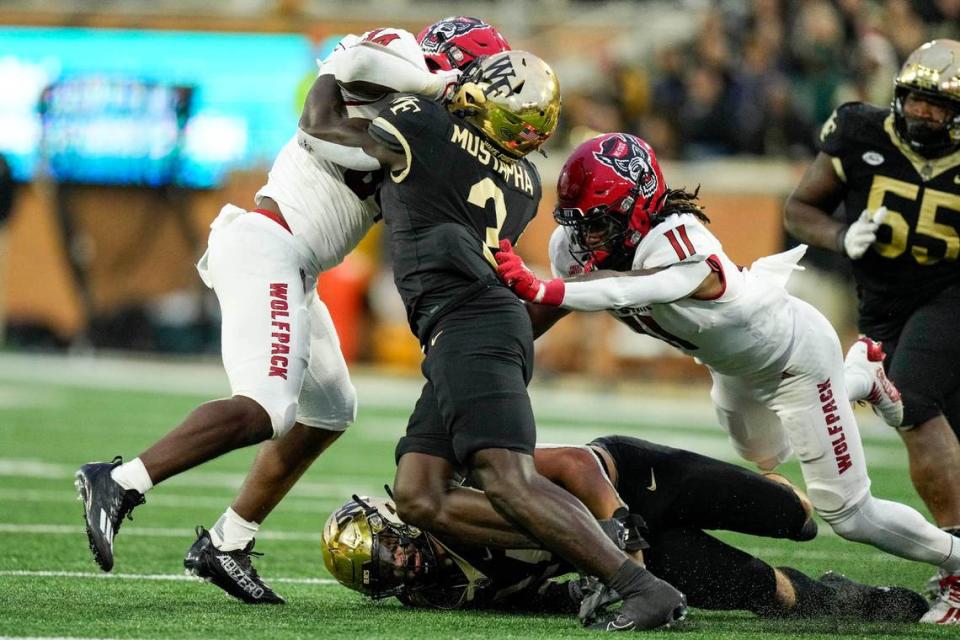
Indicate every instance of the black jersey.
{"type": "Point", "coordinates": [477, 576]}
{"type": "Point", "coordinates": [917, 246]}
{"type": "Point", "coordinates": [447, 211]}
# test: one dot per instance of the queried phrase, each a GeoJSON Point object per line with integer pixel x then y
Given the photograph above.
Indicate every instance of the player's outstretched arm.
{"type": "Point", "coordinates": [388, 62]}
{"type": "Point", "coordinates": [807, 214]}
{"type": "Point", "coordinates": [326, 127]}
{"type": "Point", "coordinates": [604, 290]}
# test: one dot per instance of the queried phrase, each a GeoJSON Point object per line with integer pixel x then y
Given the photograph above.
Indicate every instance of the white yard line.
{"type": "Point", "coordinates": [174, 577]}
{"type": "Point", "coordinates": [146, 532]}
{"type": "Point", "coordinates": [297, 504]}
{"type": "Point", "coordinates": [56, 638]}
{"type": "Point", "coordinates": [343, 487]}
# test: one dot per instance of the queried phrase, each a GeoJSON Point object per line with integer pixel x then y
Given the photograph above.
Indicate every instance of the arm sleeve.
{"type": "Point", "coordinates": [387, 60]}
{"type": "Point", "coordinates": [619, 291]}
{"type": "Point", "coordinates": [349, 157]}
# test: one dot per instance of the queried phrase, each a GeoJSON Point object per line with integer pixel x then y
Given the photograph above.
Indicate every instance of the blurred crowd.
{"type": "Point", "coordinates": [711, 79]}
{"type": "Point", "coordinates": [759, 76]}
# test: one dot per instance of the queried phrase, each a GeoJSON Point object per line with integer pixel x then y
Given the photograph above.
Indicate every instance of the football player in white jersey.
{"type": "Point", "coordinates": [290, 388]}
{"type": "Point", "coordinates": [779, 385]}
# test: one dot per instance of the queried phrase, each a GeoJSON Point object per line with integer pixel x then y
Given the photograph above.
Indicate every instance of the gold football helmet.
{"type": "Point", "coordinates": [513, 97]}
{"type": "Point", "coordinates": [369, 549]}
{"type": "Point", "coordinates": [932, 72]}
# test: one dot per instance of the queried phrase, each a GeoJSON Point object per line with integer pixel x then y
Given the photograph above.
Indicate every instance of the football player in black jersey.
{"type": "Point", "coordinates": [896, 170]}
{"type": "Point", "coordinates": [458, 184]}
{"type": "Point", "coordinates": [669, 496]}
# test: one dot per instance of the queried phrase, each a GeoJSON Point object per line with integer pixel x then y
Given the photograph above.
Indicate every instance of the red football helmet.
{"type": "Point", "coordinates": [608, 190]}
{"type": "Point", "coordinates": [453, 43]}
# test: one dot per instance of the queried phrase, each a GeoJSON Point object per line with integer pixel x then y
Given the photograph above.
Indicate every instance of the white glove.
{"type": "Point", "coordinates": [863, 232]}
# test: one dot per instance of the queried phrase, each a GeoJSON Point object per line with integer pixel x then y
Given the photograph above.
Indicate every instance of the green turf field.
{"type": "Point", "coordinates": [56, 414]}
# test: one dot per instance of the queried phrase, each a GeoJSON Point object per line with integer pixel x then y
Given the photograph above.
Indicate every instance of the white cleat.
{"type": "Point", "coordinates": [946, 607]}
{"type": "Point", "coordinates": [867, 356]}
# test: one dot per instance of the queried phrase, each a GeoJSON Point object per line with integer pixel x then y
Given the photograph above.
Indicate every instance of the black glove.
{"type": "Point", "coordinates": [635, 528]}
{"type": "Point", "coordinates": [615, 530]}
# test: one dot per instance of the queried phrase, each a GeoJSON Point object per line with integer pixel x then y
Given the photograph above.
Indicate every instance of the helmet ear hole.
{"type": "Point", "coordinates": [468, 99]}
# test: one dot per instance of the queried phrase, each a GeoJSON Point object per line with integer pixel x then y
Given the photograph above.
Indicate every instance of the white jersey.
{"type": "Point", "coordinates": [747, 328]}
{"type": "Point", "coordinates": [328, 207]}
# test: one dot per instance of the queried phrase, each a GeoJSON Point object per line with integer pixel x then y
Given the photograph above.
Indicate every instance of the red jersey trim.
{"type": "Point", "coordinates": [273, 216]}
{"type": "Point", "coordinates": [717, 268]}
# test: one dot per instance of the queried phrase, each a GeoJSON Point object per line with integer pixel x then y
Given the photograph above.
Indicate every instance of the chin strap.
{"type": "Point", "coordinates": [475, 578]}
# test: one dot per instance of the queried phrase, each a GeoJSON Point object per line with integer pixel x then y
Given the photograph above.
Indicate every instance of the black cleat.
{"type": "Point", "coordinates": [232, 571]}
{"type": "Point", "coordinates": [875, 604]}
{"type": "Point", "coordinates": [105, 505]}
{"type": "Point", "coordinates": [657, 605]}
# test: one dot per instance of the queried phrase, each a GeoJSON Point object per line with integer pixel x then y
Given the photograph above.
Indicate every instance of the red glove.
{"type": "Point", "coordinates": [525, 283]}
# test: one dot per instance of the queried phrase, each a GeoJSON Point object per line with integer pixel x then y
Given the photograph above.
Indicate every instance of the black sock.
{"type": "Point", "coordinates": [630, 578]}
{"type": "Point", "coordinates": [954, 531]}
{"type": "Point", "coordinates": [754, 589]}
{"type": "Point", "coordinates": [813, 598]}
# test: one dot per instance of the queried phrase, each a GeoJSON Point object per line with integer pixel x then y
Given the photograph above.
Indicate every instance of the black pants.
{"type": "Point", "coordinates": [672, 488]}
{"type": "Point", "coordinates": [679, 494]}
{"type": "Point", "coordinates": [923, 360]}
{"type": "Point", "coordinates": [479, 359]}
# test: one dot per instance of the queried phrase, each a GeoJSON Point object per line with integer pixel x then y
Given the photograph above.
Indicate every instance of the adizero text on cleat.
{"type": "Point", "coordinates": [232, 571]}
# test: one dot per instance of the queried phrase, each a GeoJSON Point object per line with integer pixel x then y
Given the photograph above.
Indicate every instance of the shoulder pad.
{"type": "Point", "coordinates": [851, 122]}
{"type": "Point", "coordinates": [398, 42]}
{"type": "Point", "coordinates": [679, 238]}
{"type": "Point", "coordinates": [408, 115]}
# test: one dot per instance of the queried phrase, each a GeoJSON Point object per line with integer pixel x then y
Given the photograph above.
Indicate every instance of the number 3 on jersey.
{"type": "Point", "coordinates": [481, 193]}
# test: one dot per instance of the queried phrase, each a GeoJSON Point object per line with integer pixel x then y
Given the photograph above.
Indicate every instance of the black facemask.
{"type": "Point", "coordinates": [929, 139]}
{"type": "Point", "coordinates": [925, 132]}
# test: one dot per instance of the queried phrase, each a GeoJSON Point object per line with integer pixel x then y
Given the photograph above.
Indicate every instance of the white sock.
{"type": "Point", "coordinates": [231, 532]}
{"type": "Point", "coordinates": [900, 531]}
{"type": "Point", "coordinates": [132, 475]}
{"type": "Point", "coordinates": [952, 565]}
{"type": "Point", "coordinates": [858, 382]}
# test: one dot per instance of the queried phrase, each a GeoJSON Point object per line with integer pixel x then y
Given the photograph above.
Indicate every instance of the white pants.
{"type": "Point", "coordinates": [278, 341]}
{"type": "Point", "coordinates": [800, 407]}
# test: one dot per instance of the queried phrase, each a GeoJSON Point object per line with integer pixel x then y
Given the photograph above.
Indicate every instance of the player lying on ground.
{"type": "Point", "coordinates": [664, 497]}
{"type": "Point", "coordinates": [778, 372]}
